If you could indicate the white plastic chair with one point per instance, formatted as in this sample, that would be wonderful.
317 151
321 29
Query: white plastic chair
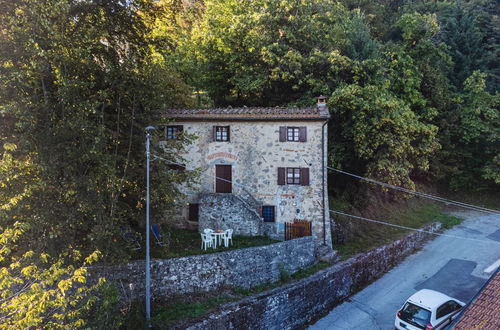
206 241
210 232
228 237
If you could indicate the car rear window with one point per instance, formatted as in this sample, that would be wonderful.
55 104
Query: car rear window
415 315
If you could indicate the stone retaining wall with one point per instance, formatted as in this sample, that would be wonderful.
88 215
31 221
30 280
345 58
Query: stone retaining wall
209 272
296 304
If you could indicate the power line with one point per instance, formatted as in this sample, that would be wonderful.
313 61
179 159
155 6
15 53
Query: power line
337 212
410 228
423 195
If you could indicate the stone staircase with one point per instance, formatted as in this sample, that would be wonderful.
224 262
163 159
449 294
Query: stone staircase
224 211
248 198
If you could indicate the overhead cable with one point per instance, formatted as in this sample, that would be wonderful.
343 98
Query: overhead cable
409 228
336 212
423 195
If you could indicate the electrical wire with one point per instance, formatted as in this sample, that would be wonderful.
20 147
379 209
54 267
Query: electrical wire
409 228
337 212
423 195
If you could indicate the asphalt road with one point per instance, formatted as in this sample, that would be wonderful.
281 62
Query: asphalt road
453 266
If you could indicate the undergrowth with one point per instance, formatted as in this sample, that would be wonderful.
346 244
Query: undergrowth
361 236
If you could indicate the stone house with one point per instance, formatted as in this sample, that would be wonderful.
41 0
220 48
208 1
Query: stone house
260 168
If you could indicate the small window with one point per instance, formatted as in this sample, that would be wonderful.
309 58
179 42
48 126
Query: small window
194 211
221 133
292 134
292 175
268 213
174 132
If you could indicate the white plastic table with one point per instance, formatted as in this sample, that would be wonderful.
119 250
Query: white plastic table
218 237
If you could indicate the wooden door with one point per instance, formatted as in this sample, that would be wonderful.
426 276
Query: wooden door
223 179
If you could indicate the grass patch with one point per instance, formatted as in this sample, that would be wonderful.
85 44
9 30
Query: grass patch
168 314
245 292
188 242
364 236
305 272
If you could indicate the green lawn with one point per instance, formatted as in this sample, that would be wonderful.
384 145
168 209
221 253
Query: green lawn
187 242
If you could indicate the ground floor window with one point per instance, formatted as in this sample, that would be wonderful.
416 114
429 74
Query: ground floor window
268 213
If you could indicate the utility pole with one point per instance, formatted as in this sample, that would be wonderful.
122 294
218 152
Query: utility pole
149 129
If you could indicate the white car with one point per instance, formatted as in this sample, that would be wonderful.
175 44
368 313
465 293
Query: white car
428 310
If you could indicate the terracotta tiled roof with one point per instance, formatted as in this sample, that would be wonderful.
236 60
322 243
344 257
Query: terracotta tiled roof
250 113
484 312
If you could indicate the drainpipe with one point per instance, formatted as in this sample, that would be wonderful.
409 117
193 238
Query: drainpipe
323 178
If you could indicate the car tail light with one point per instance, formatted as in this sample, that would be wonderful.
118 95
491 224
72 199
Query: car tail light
428 327
398 314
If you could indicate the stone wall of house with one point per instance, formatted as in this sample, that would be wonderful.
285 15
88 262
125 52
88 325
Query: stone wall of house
296 304
255 153
209 272
229 211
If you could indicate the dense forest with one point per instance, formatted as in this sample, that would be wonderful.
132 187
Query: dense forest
412 86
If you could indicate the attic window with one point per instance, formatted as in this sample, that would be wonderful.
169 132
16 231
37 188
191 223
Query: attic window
174 132
221 133
292 134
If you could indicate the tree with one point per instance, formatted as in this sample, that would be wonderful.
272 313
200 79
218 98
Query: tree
464 42
37 289
80 82
269 52
486 14
360 43
474 162
381 125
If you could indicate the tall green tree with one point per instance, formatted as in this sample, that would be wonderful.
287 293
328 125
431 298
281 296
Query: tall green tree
464 42
381 124
418 33
487 21
270 52
78 84
474 160
79 81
